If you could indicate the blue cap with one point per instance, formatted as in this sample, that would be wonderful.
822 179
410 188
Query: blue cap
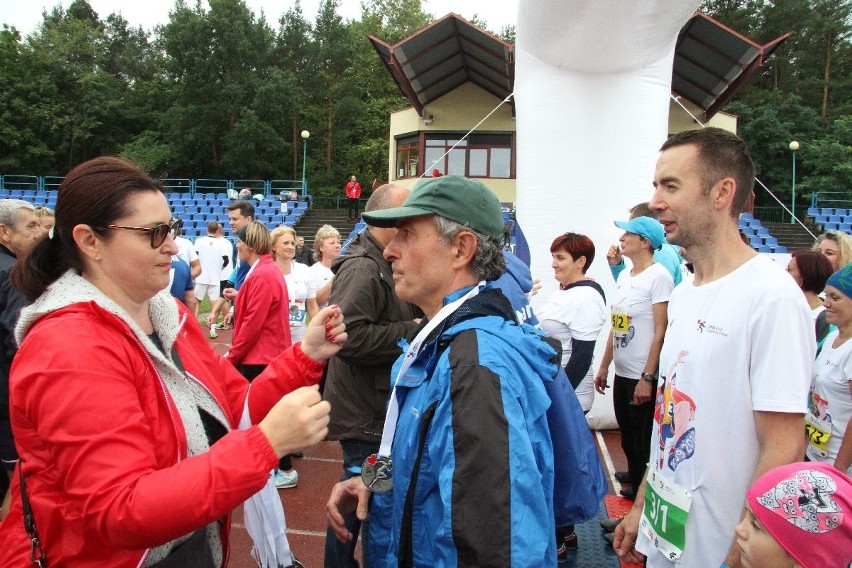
842 280
647 228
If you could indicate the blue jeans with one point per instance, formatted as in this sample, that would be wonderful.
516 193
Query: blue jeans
342 554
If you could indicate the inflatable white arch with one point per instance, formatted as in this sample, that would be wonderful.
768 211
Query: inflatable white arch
592 87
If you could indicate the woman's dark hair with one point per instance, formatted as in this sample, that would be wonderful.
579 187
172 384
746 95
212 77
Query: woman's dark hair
95 193
576 245
814 269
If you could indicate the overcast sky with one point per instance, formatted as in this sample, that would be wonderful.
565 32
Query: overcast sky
25 15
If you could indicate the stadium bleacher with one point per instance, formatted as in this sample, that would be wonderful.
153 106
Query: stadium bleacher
196 210
758 236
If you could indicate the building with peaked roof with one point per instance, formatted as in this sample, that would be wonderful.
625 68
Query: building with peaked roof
459 78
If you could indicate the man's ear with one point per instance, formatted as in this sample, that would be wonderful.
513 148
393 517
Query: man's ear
723 193
465 247
4 234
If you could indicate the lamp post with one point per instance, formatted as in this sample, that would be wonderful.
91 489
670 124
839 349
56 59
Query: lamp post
305 136
793 147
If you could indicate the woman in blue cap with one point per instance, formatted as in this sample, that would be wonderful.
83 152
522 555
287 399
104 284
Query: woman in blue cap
830 400
639 313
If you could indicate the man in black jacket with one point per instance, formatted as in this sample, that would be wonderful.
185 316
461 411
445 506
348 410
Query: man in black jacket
358 377
19 231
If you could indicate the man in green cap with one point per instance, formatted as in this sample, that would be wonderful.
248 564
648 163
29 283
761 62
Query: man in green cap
464 473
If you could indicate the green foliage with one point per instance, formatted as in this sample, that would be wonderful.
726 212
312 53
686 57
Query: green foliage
803 93
218 92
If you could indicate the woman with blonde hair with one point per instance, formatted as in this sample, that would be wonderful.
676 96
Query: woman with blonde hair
837 248
46 218
326 249
303 301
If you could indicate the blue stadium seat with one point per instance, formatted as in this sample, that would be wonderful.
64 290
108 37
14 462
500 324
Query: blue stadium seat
780 249
771 241
755 242
746 216
763 248
830 227
821 219
762 232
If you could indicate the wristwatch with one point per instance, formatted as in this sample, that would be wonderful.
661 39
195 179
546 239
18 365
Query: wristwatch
650 377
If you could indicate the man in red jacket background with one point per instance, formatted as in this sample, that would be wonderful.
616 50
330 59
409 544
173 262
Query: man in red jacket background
353 192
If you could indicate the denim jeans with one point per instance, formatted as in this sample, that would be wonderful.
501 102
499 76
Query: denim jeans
341 554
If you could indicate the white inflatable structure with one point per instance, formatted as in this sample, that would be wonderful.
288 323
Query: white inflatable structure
592 88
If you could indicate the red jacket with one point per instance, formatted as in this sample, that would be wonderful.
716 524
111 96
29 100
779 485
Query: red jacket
262 322
104 449
353 190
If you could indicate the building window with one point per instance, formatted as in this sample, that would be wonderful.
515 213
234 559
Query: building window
480 155
407 157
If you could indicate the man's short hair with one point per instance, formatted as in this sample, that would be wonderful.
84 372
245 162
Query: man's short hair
212 227
246 207
380 199
642 210
9 211
488 262
721 154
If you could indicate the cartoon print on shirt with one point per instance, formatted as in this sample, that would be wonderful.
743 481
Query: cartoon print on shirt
819 407
623 340
674 412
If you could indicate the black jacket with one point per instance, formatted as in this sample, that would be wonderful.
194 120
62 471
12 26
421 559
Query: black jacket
11 302
358 377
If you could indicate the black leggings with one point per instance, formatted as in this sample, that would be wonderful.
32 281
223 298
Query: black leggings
636 423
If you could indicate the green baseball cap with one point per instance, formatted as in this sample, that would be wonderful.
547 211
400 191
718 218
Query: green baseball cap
457 198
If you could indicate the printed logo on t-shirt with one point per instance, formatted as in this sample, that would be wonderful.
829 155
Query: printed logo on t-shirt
710 328
805 501
674 412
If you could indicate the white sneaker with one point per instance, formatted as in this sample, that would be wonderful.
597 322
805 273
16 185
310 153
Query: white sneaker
213 334
286 479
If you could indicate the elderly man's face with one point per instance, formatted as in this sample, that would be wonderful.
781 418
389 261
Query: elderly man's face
422 265
21 236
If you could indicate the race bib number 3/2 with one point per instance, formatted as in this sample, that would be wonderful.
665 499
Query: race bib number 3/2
620 320
664 515
817 433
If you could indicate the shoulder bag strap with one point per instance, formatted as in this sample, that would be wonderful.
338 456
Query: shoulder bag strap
37 554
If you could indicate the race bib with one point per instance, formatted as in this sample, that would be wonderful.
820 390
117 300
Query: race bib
664 515
620 320
297 314
818 433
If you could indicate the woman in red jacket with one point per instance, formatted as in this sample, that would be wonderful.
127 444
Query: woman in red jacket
261 320
124 417
262 308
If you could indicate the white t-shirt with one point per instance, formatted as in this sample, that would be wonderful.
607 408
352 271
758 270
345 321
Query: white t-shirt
186 250
733 346
577 313
298 292
635 296
320 275
829 404
209 251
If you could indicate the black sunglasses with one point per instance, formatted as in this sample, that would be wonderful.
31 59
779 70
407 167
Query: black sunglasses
158 232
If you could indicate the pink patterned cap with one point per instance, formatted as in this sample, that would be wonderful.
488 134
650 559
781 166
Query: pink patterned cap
807 508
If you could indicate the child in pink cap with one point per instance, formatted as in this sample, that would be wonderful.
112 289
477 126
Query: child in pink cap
798 515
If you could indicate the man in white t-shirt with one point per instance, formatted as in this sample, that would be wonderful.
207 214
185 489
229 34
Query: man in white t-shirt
186 252
211 255
734 369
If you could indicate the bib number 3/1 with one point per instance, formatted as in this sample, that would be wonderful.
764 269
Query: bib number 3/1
664 515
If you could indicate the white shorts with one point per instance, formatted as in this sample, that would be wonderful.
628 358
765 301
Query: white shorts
211 290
